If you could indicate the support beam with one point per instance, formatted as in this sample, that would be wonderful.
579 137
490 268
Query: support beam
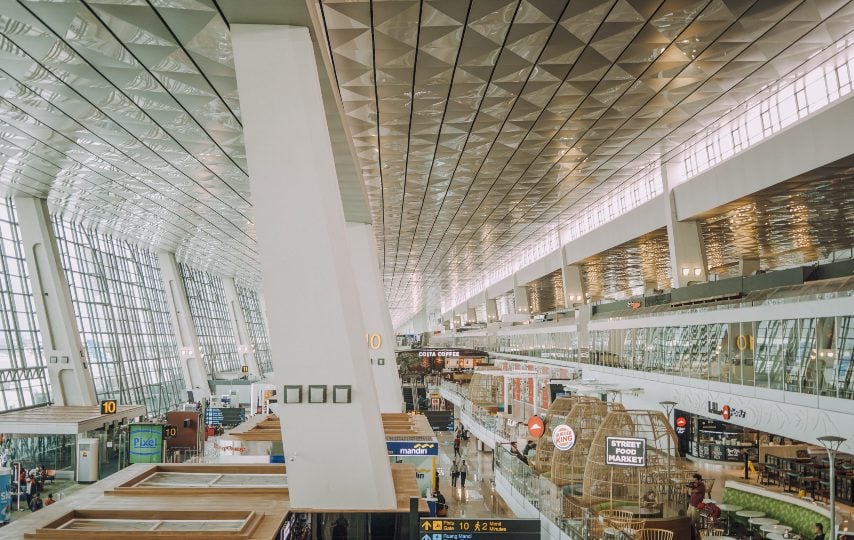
491 310
573 285
471 315
189 351
245 347
68 372
687 253
520 297
379 331
316 328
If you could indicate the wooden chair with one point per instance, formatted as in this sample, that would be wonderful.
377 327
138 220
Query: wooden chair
628 527
613 513
654 534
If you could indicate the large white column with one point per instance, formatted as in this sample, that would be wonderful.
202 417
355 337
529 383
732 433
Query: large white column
491 310
687 253
68 373
336 453
189 351
378 328
245 347
520 295
573 285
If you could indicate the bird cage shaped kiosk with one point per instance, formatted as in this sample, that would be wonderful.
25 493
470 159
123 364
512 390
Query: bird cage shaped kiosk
632 460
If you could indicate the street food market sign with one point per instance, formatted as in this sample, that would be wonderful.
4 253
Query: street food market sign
625 452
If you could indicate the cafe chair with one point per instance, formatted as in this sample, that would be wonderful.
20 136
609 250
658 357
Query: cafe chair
612 513
654 534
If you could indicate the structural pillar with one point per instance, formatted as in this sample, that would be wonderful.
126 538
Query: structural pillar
67 369
379 332
189 350
245 347
316 327
573 285
471 315
520 296
491 310
687 253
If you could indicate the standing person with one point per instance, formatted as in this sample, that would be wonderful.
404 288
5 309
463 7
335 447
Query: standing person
464 470
698 493
818 531
455 473
457 442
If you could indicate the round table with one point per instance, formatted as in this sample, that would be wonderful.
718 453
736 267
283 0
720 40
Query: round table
709 501
775 528
641 511
775 536
750 514
730 507
760 521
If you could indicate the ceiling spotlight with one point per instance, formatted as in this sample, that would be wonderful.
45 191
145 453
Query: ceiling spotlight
686 271
698 271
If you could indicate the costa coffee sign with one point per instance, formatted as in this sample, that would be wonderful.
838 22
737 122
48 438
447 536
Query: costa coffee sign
439 354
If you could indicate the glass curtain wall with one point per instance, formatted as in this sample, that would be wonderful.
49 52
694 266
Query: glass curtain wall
206 296
123 317
22 368
256 324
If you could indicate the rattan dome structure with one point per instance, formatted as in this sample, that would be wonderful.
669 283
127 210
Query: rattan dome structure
567 468
486 390
624 485
556 415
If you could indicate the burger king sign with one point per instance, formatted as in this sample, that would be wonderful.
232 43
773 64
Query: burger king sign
563 437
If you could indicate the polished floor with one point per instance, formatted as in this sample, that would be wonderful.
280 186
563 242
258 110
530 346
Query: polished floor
478 499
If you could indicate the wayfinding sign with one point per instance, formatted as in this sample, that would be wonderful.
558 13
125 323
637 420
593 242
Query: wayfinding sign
474 529
625 452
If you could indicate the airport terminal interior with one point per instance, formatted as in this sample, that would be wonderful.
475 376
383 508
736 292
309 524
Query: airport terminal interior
427 269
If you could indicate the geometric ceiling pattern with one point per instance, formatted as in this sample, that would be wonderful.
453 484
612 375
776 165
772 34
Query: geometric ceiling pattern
124 115
624 271
478 124
795 222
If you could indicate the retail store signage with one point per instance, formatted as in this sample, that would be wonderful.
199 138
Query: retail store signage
681 422
536 427
438 354
625 452
409 448
726 412
465 529
563 437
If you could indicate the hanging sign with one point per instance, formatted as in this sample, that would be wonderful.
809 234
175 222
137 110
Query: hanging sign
625 452
536 427
563 437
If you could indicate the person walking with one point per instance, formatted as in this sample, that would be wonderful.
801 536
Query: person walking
457 442
455 473
464 470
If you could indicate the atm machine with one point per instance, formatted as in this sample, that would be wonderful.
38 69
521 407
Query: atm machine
87 460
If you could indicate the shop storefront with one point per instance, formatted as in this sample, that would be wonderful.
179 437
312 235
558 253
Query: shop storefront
712 439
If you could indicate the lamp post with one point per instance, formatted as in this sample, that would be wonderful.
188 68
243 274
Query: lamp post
668 409
831 443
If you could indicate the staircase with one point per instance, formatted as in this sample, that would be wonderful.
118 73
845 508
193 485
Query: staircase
440 420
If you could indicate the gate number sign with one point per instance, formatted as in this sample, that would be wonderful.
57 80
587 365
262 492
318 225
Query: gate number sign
625 452
109 406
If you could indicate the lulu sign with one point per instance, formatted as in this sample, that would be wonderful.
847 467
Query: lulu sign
625 452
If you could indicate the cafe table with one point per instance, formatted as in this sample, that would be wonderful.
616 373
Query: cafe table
780 529
750 514
759 522
775 536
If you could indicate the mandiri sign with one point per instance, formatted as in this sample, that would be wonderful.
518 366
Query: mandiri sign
625 452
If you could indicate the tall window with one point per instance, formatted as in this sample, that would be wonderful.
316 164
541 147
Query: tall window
257 326
120 304
22 369
210 317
